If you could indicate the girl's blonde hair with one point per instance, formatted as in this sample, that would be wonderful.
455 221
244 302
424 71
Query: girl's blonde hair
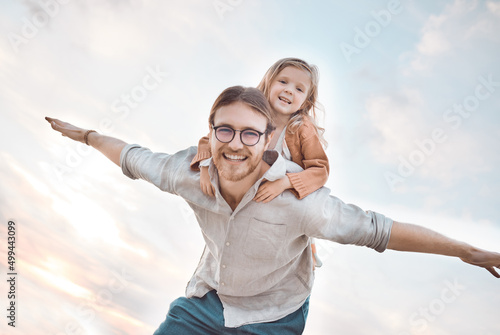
311 103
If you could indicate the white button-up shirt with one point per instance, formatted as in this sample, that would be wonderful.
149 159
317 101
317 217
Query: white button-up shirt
258 257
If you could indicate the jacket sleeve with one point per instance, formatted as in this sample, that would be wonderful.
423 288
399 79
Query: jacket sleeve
306 150
203 153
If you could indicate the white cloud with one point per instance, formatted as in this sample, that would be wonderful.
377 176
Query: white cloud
397 119
434 41
403 131
493 7
456 30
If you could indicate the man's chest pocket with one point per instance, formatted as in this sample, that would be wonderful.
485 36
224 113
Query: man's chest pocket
264 240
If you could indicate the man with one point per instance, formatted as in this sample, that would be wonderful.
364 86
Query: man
255 275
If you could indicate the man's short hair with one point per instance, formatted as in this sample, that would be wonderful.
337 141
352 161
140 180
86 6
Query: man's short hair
251 97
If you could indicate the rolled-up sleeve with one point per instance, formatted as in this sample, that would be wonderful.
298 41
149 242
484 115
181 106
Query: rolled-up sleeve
347 224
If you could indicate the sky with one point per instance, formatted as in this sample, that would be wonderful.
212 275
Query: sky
411 94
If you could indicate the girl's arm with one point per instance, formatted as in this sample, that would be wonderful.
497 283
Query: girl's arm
203 153
307 151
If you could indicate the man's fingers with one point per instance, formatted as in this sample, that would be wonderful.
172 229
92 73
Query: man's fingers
493 272
52 120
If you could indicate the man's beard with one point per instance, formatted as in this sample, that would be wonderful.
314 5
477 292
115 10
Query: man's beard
235 173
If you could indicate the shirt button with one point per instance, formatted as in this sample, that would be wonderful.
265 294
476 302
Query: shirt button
223 266
228 244
223 283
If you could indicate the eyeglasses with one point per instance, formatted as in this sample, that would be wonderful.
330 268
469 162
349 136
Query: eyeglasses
248 137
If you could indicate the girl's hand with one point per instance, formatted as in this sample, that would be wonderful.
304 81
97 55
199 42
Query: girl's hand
205 184
271 189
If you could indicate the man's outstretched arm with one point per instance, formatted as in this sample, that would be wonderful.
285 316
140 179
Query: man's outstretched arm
409 237
111 147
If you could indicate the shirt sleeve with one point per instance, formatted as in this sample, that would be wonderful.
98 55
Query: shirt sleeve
346 223
314 161
160 169
203 153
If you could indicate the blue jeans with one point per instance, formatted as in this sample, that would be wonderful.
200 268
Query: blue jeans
203 316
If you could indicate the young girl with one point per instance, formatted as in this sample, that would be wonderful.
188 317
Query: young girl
291 87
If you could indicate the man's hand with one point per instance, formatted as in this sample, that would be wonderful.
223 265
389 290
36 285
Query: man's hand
205 184
109 146
485 259
67 129
409 237
271 189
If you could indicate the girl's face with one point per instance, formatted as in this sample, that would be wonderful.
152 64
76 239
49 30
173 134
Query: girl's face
289 90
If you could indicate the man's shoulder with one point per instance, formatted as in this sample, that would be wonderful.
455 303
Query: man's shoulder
312 201
188 152
184 158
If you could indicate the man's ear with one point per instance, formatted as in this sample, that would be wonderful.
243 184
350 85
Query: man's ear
210 133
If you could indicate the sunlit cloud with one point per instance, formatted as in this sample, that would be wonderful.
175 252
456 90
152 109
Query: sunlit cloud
51 276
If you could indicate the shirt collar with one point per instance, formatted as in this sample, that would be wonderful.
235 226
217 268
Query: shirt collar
277 163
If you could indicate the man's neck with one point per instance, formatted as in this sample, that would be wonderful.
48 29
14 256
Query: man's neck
234 191
281 120
274 140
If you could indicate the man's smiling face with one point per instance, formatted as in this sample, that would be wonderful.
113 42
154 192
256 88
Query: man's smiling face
235 160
